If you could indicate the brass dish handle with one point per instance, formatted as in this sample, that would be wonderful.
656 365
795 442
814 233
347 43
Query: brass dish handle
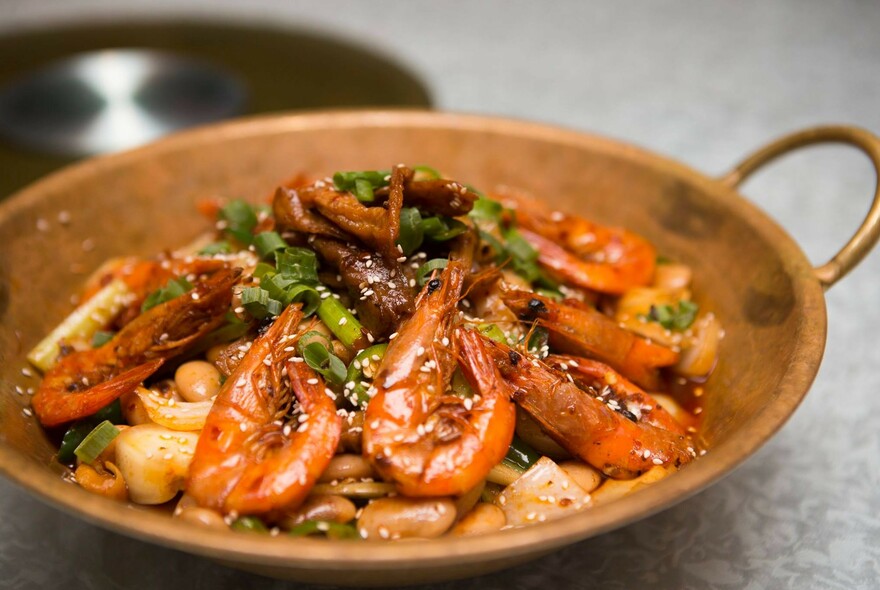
868 233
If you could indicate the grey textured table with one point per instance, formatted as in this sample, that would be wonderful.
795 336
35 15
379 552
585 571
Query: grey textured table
702 82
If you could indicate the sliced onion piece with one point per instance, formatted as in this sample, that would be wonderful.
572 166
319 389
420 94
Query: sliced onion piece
544 492
184 416
698 357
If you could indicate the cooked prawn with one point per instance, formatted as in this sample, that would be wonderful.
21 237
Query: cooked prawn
247 459
579 329
142 277
595 431
83 382
427 442
579 251
602 381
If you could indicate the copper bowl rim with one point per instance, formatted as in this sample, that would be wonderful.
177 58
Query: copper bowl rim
309 554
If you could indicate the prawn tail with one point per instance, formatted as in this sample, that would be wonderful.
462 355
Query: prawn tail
54 406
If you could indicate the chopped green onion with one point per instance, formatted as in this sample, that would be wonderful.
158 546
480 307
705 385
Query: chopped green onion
363 191
486 209
411 232
459 384
308 296
327 364
111 412
341 322
503 474
523 257
262 269
495 244
258 303
276 286
173 288
361 183
424 272
356 371
493 332
232 329
222 247
441 229
83 322
249 524
663 260
298 264
427 172
538 339
490 492
240 220
72 439
310 337
520 455
333 530
96 441
102 337
674 318
75 433
268 242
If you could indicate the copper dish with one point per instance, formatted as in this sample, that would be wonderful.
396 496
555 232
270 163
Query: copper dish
747 269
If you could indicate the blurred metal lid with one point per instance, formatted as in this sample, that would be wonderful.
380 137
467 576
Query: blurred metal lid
83 89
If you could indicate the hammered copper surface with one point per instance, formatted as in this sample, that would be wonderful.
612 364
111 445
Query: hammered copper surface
747 270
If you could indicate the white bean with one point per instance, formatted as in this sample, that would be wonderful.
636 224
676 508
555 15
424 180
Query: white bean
617 488
328 508
585 476
347 466
484 518
401 518
672 276
202 516
465 502
133 409
197 381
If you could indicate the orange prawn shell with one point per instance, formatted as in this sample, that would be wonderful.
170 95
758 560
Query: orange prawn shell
245 461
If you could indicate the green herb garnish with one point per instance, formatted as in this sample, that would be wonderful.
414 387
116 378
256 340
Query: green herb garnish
268 242
174 288
241 219
493 332
486 209
356 371
102 337
411 232
258 303
678 317
222 247
298 264
362 183
324 362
